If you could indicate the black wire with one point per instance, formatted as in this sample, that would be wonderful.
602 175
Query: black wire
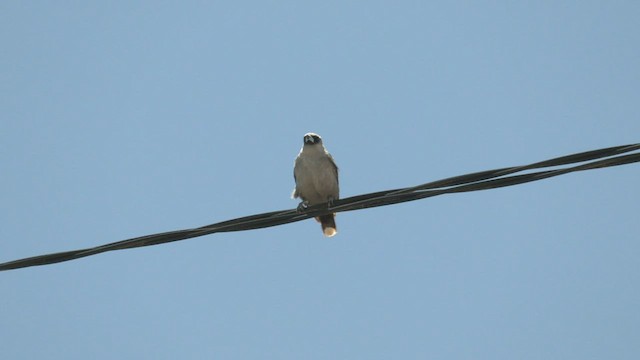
483 180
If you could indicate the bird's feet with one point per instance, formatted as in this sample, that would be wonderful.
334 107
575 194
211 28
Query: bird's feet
302 206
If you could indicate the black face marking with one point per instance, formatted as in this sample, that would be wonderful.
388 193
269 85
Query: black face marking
310 139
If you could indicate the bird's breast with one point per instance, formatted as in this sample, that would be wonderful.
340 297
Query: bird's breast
316 179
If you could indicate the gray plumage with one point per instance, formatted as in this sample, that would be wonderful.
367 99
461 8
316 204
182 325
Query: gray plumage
316 176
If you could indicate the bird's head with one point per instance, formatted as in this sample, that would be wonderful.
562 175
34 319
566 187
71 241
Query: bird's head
312 139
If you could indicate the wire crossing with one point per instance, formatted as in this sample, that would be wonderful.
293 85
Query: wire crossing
484 180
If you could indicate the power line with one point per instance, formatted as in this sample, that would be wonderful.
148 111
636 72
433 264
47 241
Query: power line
483 180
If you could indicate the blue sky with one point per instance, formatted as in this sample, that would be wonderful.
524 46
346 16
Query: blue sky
123 119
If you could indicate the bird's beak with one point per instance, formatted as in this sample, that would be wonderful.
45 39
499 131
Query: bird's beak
308 140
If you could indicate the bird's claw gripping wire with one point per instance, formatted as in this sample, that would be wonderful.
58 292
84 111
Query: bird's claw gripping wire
302 207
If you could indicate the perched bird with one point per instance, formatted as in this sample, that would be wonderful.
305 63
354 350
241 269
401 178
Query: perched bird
316 176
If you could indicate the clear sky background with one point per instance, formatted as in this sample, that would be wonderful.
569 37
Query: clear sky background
120 119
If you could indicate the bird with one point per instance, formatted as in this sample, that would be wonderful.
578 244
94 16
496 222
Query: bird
316 177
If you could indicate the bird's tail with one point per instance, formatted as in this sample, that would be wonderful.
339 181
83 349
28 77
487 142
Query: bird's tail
328 223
